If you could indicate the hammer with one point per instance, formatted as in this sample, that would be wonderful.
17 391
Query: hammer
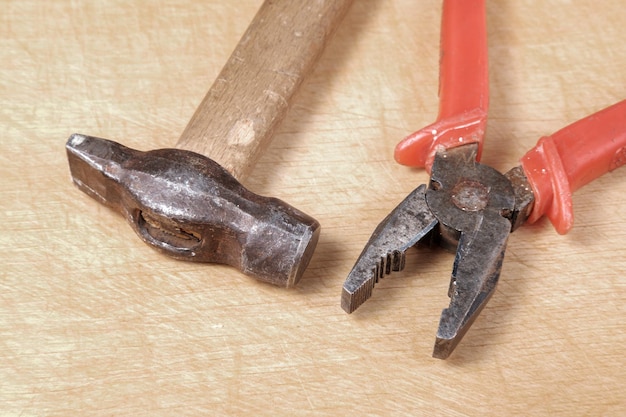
188 202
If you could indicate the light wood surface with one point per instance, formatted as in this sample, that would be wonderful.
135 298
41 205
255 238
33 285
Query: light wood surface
94 322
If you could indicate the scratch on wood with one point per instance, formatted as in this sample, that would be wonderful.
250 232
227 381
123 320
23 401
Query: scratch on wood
276 97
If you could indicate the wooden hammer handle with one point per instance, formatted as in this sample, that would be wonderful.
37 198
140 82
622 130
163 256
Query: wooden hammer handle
251 96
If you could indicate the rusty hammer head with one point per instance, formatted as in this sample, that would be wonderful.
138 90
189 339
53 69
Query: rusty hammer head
189 207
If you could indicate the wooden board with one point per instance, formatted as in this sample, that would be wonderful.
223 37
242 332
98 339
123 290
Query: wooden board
94 322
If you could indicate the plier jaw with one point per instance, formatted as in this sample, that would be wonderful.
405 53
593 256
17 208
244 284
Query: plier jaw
408 224
473 204
466 208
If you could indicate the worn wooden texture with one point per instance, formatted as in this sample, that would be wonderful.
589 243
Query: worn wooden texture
236 121
93 322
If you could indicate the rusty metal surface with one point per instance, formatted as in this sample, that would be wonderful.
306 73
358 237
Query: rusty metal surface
468 209
188 207
477 224
409 223
524 197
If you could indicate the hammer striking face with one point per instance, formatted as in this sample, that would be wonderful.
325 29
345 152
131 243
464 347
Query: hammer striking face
189 207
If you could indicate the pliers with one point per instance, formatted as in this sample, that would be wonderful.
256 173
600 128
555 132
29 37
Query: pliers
470 208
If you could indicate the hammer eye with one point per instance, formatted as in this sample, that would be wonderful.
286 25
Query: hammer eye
166 234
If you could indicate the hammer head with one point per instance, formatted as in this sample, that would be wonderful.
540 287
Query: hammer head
189 207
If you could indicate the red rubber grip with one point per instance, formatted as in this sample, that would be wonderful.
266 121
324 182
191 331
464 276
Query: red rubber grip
572 157
463 86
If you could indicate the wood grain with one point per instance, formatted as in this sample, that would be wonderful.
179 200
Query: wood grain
236 121
93 322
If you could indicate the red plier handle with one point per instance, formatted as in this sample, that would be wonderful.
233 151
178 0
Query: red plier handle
557 166
463 87
572 157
